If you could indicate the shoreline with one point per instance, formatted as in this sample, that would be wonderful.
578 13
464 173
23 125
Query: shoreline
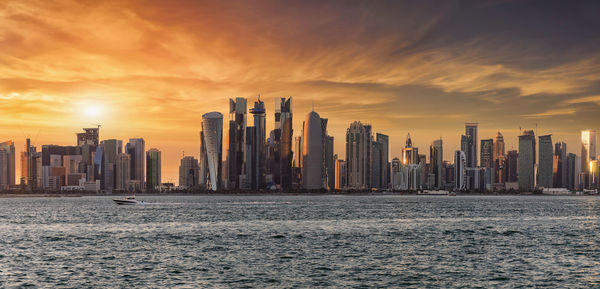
117 195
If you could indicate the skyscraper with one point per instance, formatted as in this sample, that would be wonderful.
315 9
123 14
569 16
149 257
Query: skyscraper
212 134
560 165
313 146
376 165
409 155
460 171
526 160
487 153
123 171
188 172
283 133
571 171
358 143
546 155
258 144
436 157
340 174
136 148
471 152
112 148
329 162
236 141
498 146
384 142
7 164
27 165
588 149
511 168
153 168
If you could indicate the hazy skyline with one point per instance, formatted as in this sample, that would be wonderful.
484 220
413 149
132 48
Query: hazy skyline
151 68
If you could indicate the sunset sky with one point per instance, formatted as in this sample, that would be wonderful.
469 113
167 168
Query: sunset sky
151 68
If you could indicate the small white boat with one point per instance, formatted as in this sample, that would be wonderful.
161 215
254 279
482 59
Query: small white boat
128 201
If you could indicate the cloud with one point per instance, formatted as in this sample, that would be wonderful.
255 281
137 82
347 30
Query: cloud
157 66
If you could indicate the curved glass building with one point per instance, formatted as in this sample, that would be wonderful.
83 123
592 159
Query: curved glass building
212 134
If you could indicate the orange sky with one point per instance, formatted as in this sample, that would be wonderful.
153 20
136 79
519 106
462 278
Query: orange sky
151 69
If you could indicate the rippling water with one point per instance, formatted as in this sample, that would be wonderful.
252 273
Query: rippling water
301 241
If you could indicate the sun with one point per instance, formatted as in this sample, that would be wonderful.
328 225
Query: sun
92 111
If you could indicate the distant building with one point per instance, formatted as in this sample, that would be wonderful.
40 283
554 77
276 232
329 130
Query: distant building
329 162
283 134
471 149
340 174
436 157
410 155
27 165
7 165
487 153
460 171
123 171
212 135
358 156
545 167
313 151
526 161
153 169
510 167
112 148
236 144
90 136
384 142
588 149
571 175
189 172
257 147
136 149
560 165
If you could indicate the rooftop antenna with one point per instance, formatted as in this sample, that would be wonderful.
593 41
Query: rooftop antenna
536 133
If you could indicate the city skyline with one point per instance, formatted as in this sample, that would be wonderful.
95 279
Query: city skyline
400 67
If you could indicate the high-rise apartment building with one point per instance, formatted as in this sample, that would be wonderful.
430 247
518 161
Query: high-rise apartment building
282 142
358 148
546 159
136 148
153 168
560 165
460 171
236 143
526 160
384 142
313 151
588 149
436 158
471 152
188 172
487 153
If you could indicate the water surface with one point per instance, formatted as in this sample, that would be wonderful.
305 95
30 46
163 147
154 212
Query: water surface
301 241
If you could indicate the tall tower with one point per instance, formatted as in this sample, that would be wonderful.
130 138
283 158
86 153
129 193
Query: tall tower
436 157
384 142
460 171
588 149
358 142
237 141
136 148
283 133
212 144
471 132
153 169
526 160
313 145
487 152
258 145
545 168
